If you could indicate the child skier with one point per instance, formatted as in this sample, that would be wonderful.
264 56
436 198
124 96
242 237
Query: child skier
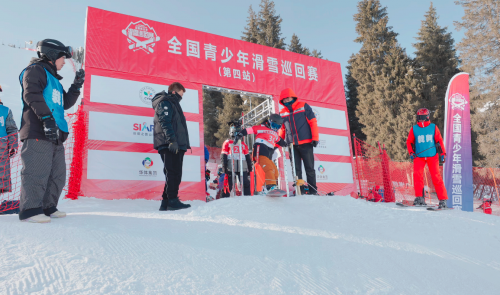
228 154
427 140
266 140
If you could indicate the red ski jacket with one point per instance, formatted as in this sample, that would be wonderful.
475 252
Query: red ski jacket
410 142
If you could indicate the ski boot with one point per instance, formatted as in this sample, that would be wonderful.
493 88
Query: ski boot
419 201
270 187
442 204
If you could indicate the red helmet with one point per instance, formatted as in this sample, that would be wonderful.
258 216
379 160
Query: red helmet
423 115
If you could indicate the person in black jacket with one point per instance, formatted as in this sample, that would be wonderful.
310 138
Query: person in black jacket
43 131
171 139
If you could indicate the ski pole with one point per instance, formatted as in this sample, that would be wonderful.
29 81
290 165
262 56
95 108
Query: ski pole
284 168
294 173
434 146
241 168
232 170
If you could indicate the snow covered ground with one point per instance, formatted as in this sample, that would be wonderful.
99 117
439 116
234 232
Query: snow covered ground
251 245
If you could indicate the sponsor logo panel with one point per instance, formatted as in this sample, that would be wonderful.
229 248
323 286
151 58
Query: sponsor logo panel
328 172
111 165
333 145
134 93
128 128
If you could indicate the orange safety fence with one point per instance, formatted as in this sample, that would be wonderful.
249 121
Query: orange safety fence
375 172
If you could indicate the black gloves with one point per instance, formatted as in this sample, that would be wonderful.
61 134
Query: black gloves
173 147
12 152
315 143
207 175
282 143
50 128
79 78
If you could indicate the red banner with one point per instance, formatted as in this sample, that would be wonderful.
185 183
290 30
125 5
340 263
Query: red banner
129 59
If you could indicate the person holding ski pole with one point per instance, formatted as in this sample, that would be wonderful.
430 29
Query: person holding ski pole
300 128
424 143
233 154
266 139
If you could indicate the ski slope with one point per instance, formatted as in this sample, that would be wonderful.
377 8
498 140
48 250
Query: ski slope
251 245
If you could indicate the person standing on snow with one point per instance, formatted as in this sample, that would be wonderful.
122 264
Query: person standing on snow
423 143
8 145
300 127
266 140
44 130
228 155
171 140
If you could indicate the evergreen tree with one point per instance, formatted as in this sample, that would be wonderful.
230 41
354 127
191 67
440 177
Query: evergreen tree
296 46
252 31
480 55
231 111
437 61
382 81
352 100
269 24
316 53
212 103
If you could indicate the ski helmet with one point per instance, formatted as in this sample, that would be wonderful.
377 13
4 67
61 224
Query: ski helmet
234 127
423 115
53 49
275 121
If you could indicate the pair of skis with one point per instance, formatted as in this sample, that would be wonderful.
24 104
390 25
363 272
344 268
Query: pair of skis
279 192
406 203
233 172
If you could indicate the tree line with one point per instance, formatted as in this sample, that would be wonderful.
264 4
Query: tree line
264 28
384 86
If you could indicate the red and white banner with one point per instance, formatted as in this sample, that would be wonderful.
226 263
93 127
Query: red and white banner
129 59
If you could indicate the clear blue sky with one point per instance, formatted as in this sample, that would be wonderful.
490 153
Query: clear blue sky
324 25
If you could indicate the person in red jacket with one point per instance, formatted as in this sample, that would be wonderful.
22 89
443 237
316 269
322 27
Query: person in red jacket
423 143
300 127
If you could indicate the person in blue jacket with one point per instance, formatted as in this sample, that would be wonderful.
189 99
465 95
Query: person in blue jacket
44 130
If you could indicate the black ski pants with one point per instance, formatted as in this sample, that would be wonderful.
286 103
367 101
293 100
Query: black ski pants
172 168
305 153
246 184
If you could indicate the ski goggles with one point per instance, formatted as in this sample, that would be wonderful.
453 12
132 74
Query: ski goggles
274 126
67 50
422 117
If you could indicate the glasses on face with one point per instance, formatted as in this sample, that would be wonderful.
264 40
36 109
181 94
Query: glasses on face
275 126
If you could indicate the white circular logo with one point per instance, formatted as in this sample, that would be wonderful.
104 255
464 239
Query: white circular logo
146 94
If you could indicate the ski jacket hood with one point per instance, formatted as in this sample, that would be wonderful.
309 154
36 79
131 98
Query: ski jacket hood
287 93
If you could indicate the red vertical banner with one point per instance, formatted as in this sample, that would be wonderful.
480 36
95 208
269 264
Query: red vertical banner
457 139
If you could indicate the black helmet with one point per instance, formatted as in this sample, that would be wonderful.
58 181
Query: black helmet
274 122
53 49
234 127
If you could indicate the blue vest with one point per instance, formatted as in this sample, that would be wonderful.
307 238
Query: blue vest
424 139
53 95
4 112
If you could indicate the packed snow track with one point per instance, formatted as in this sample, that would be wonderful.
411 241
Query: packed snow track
251 245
